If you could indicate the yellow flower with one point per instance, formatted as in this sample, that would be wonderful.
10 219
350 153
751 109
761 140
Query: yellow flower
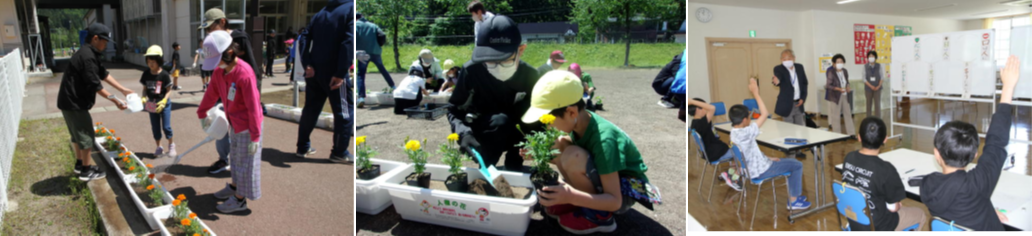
181 197
185 222
360 140
412 145
547 119
453 137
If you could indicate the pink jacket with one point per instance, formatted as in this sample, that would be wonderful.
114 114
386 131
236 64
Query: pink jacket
244 111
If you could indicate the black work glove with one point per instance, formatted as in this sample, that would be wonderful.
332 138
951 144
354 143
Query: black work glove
467 142
497 122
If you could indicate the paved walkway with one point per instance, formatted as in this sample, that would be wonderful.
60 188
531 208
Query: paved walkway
310 196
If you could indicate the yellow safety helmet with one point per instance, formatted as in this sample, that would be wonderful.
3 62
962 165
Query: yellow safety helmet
153 50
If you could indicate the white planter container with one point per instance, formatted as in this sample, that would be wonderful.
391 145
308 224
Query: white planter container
369 197
159 216
325 121
492 215
103 151
148 213
280 111
383 99
116 163
438 98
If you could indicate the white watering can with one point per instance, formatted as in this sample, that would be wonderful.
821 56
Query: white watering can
134 103
219 128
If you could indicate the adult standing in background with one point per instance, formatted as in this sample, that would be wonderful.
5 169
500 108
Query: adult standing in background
790 77
476 9
836 92
326 60
270 52
367 42
873 83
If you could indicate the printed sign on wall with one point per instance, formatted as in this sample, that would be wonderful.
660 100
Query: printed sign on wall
863 41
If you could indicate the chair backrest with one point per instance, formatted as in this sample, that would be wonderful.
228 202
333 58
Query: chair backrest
739 157
751 104
940 224
851 203
720 109
698 141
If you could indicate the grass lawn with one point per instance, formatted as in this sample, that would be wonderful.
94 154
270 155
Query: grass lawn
50 198
587 55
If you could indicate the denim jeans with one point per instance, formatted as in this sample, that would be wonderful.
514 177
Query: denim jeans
222 146
317 91
795 179
362 69
161 121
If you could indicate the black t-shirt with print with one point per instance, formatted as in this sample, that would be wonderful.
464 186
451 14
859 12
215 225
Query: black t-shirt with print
880 181
155 86
714 147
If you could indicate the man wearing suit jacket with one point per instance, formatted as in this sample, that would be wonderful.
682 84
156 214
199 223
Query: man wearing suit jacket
790 77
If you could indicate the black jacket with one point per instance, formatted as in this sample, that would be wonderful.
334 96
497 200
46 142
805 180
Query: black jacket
661 84
478 92
964 196
81 82
786 98
329 49
240 37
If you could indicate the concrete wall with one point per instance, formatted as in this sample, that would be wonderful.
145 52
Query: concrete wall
813 32
9 21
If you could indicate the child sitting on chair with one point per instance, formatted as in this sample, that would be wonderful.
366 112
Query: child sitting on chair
743 134
961 195
880 181
716 150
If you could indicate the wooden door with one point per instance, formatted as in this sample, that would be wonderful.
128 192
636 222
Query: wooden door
767 55
733 61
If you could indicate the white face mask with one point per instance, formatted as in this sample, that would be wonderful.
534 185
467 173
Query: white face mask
502 73
788 64
477 18
870 60
839 66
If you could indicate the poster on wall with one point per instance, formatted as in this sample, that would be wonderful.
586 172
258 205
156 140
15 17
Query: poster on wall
825 63
945 64
863 41
904 30
883 43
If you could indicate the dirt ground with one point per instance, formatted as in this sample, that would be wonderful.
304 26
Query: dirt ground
630 103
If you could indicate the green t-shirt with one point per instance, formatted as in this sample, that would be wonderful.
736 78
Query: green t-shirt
611 149
586 78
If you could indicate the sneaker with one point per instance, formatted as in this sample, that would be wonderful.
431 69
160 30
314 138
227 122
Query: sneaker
232 205
177 87
339 159
78 169
91 173
558 210
157 152
666 104
361 102
310 152
799 204
218 166
730 183
225 193
586 221
172 149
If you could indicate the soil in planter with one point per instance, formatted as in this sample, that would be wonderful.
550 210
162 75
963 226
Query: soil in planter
144 196
173 227
368 174
478 188
421 180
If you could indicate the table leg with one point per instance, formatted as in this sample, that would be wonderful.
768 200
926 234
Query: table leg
819 203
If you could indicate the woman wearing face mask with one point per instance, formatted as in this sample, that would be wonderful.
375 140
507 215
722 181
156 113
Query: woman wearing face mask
873 83
233 82
432 71
836 93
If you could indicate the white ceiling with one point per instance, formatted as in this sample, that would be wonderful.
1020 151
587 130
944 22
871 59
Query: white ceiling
963 10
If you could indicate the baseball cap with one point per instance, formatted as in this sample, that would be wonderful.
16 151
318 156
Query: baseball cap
426 55
575 68
556 89
416 70
448 64
214 45
211 16
498 37
557 56
100 30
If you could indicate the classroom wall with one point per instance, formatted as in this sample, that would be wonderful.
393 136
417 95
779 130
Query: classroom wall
813 32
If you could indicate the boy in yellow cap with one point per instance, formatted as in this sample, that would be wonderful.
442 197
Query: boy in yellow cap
602 168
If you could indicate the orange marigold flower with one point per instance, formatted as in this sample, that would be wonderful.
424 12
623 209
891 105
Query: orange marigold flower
118 138
181 197
112 131
150 187
151 176
185 222
150 166
193 215
175 202
197 234
204 230
131 168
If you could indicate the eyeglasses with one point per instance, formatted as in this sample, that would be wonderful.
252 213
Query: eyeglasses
505 63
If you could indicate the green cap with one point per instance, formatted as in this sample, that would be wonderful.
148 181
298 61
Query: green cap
211 16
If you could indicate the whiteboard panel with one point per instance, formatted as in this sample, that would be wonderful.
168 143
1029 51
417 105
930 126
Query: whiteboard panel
955 63
983 78
1021 45
896 74
930 48
917 76
948 77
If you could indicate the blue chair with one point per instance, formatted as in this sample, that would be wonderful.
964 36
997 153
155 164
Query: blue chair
752 105
715 164
720 110
739 157
852 204
940 224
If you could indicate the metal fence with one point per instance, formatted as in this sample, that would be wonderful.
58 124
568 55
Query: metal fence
12 90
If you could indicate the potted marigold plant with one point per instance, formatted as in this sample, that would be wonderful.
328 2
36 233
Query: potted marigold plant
598 103
540 148
418 156
367 170
100 131
112 144
450 155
